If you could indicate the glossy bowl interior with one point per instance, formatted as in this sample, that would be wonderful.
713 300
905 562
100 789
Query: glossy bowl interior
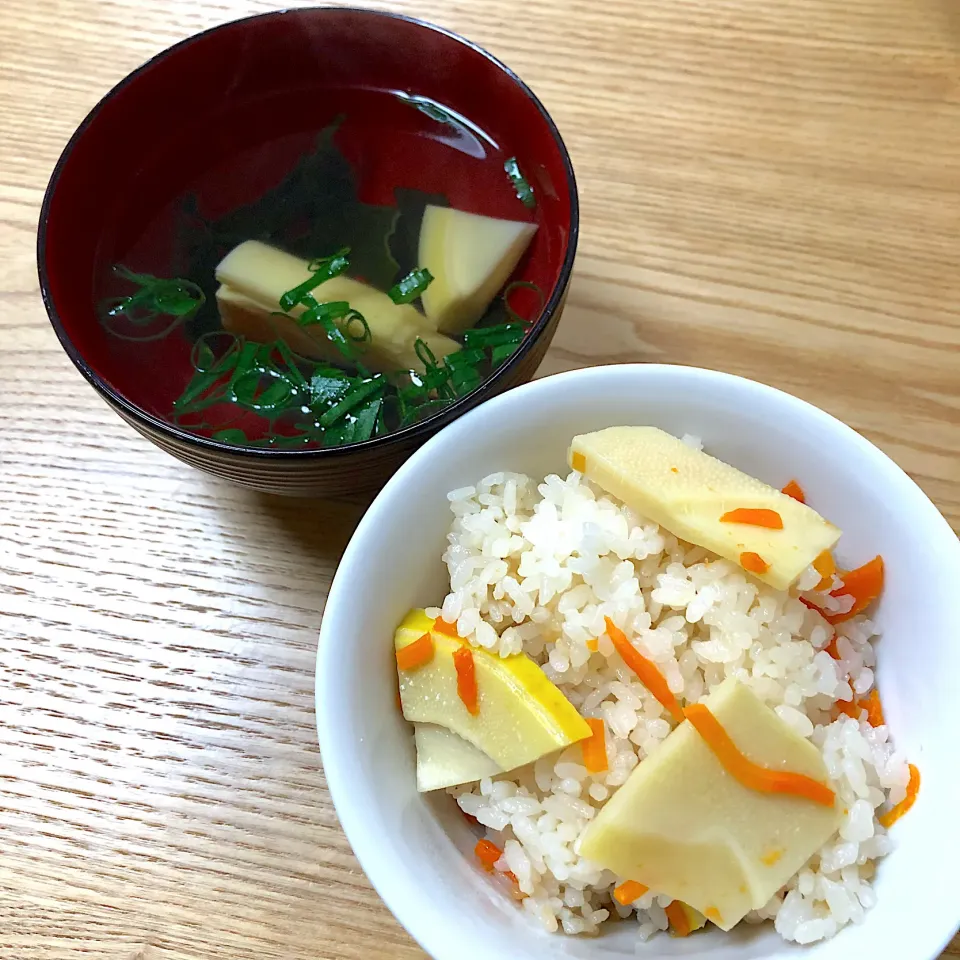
417 850
282 77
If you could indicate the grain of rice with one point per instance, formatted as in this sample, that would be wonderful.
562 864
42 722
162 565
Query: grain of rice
536 568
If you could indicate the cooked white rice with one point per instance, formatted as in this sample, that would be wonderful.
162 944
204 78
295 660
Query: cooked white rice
536 568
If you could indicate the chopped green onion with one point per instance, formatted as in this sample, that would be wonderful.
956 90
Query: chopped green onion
175 298
520 183
426 356
464 367
366 420
356 396
286 354
321 271
494 336
320 312
326 390
500 353
411 286
325 317
355 316
422 412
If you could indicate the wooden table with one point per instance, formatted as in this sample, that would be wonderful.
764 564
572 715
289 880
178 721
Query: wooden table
768 189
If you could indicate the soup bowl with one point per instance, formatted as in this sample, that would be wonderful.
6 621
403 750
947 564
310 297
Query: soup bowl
417 849
185 115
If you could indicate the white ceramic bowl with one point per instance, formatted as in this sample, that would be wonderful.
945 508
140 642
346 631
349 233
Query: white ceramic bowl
417 850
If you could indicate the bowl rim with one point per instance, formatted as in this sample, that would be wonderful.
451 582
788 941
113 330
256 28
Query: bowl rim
417 431
333 740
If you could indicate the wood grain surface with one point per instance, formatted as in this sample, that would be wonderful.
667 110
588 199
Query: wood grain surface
771 189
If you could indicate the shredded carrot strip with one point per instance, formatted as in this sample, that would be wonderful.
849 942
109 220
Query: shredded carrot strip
831 648
826 567
578 461
754 517
751 774
450 629
863 584
415 654
874 709
889 818
593 645
466 679
488 854
678 919
645 669
850 707
595 747
510 875
793 489
853 708
753 563
629 891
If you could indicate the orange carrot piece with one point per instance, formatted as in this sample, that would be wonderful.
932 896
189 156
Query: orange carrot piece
415 654
595 747
578 461
751 774
863 584
488 854
466 679
826 567
753 562
510 875
593 645
450 629
629 891
758 517
831 648
874 709
851 708
889 818
793 489
678 919
650 676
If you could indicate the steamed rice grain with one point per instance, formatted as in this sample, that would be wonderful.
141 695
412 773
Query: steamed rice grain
535 568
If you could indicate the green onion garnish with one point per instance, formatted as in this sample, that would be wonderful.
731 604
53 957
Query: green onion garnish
326 390
157 297
520 183
494 336
411 286
500 353
320 312
321 271
356 396
175 298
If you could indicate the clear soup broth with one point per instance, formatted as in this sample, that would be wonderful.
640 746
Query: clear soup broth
328 281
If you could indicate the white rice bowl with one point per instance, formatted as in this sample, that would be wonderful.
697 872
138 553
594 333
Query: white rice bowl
417 850
535 568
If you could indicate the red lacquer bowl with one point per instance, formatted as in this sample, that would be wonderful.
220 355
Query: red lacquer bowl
187 111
